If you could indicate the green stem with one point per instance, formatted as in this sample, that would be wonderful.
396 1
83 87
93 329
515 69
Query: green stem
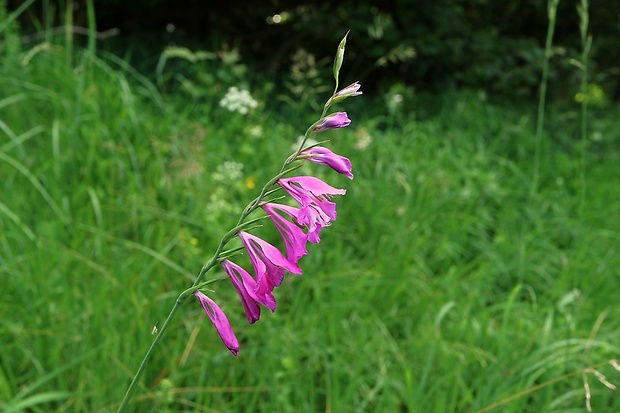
92 27
586 41
198 283
147 356
180 300
69 31
540 120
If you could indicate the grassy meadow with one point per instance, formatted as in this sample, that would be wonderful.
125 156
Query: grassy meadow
458 277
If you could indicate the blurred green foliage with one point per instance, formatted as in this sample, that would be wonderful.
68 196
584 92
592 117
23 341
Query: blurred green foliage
445 285
481 44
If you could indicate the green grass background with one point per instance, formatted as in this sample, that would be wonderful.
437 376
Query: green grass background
448 282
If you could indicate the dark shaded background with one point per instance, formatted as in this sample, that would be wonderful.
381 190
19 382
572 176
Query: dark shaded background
496 46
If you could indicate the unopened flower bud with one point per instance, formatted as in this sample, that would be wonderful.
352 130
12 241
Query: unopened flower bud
335 120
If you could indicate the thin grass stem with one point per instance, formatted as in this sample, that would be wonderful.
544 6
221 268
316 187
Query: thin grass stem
552 8
586 41
134 382
92 27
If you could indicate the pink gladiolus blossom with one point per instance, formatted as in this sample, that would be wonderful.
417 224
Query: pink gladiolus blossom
335 120
269 265
352 90
265 298
315 220
245 285
324 156
293 236
313 196
220 321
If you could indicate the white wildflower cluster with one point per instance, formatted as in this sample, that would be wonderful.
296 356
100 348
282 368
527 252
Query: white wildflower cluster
237 100
362 139
228 172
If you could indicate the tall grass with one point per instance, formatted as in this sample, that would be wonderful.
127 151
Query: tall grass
586 43
552 12
443 286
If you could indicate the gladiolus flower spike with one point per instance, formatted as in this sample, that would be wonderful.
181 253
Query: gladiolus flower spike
296 225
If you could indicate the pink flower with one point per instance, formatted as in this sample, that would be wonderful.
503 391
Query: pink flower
245 285
313 196
315 221
219 320
294 238
335 120
269 265
352 90
324 156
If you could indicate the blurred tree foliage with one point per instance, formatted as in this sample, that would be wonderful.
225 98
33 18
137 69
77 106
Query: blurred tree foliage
491 45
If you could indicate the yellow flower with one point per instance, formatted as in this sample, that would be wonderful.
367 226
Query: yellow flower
250 183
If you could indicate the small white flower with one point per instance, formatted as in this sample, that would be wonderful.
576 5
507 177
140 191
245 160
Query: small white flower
362 139
237 100
229 171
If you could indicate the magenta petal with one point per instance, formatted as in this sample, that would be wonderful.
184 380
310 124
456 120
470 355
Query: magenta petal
349 91
308 190
352 90
324 156
313 234
312 185
261 250
220 321
269 264
250 305
260 295
314 219
335 120
292 235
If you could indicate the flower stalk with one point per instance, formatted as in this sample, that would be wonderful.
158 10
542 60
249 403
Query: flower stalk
296 226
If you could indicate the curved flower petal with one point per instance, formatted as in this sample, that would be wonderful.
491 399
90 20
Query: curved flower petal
220 321
264 297
292 235
314 219
335 120
244 284
308 190
352 90
269 265
324 156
